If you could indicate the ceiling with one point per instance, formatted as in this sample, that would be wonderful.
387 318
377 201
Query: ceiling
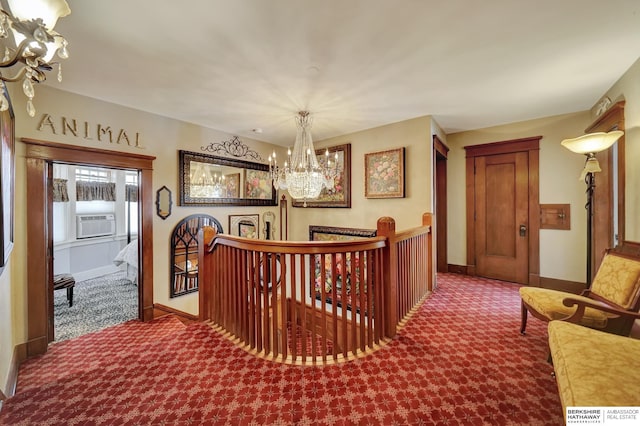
239 65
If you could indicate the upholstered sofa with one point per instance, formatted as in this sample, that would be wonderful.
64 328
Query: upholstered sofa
594 368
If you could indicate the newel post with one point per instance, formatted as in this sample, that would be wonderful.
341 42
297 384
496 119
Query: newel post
205 274
386 227
427 220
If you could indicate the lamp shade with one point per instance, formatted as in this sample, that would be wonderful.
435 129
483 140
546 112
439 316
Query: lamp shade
592 142
48 10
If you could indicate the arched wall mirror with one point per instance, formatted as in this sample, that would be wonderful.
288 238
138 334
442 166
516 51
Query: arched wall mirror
184 253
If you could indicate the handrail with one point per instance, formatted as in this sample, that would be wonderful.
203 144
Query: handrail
313 301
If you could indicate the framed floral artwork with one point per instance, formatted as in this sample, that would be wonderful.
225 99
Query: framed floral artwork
384 174
257 185
340 194
348 269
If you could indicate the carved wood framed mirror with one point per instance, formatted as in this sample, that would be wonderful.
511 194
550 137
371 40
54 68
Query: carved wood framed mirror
208 180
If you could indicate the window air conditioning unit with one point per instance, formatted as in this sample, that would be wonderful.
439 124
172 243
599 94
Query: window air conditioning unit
95 225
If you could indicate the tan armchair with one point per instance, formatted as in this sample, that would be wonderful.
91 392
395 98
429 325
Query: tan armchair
616 287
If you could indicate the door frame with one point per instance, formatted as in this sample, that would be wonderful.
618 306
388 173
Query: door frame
440 151
40 155
530 145
602 230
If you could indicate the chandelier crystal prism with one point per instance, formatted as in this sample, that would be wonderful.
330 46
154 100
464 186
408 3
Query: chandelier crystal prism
30 44
303 175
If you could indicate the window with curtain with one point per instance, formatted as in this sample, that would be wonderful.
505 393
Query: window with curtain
93 184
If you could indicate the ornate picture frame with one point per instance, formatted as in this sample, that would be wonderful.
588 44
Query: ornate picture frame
384 174
340 195
247 225
7 179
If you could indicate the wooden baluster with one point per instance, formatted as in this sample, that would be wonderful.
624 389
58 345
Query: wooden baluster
303 302
288 259
255 272
282 314
334 299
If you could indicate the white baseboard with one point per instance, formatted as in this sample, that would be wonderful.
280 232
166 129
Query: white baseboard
95 273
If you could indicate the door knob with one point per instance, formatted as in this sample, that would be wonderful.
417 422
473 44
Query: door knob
523 230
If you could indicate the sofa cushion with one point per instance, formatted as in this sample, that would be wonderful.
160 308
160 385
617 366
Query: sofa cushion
594 368
549 303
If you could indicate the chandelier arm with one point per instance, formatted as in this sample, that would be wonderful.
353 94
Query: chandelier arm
18 54
19 76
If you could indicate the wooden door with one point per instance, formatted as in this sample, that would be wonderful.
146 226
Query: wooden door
502 223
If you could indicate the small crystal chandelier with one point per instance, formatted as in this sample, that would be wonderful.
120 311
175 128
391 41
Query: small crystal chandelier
302 175
34 45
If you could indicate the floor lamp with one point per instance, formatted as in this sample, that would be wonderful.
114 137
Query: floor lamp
589 145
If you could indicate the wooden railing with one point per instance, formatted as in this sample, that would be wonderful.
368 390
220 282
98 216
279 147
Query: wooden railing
316 301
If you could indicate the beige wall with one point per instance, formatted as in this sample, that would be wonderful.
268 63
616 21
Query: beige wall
627 88
415 136
160 137
562 253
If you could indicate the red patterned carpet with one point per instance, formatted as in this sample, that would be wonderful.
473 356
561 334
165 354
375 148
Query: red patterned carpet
459 361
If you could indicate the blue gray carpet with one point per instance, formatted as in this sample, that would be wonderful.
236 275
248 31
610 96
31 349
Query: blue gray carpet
97 303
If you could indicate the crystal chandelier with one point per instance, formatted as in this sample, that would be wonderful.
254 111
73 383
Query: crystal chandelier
302 175
34 43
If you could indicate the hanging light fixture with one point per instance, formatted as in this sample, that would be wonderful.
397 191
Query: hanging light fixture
302 175
34 43
589 145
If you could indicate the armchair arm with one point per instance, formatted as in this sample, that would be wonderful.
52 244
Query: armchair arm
583 304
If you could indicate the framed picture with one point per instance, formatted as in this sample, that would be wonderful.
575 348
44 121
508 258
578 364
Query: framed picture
7 180
247 226
334 233
257 185
232 185
384 174
344 266
340 194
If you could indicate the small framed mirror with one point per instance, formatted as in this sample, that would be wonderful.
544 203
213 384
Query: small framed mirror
269 220
163 202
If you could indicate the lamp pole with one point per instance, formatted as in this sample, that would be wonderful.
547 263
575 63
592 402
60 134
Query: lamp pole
590 180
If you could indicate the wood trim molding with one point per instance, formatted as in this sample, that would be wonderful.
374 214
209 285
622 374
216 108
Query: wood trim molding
440 146
39 157
612 119
531 145
457 269
19 355
168 310
503 147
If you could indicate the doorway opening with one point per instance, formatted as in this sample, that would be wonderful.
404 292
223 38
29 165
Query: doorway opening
40 157
440 153
95 248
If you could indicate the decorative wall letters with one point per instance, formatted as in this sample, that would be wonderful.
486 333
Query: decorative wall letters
89 131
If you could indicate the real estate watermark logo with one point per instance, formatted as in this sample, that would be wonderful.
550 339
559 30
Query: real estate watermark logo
615 416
